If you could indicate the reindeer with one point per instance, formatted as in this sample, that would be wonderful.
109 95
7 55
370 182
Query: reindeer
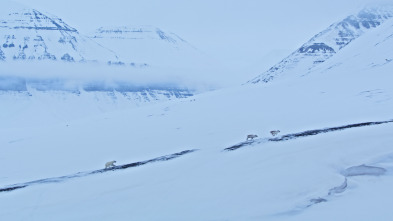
110 164
274 132
251 136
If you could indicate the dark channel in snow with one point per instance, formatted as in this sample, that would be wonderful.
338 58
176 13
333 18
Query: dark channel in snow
363 170
303 134
87 173
339 189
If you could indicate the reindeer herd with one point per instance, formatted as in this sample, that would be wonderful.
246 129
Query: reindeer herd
252 136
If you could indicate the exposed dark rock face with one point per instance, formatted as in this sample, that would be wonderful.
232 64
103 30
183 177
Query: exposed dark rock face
316 48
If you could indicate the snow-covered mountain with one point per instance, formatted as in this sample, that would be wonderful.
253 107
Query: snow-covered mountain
28 34
147 45
327 43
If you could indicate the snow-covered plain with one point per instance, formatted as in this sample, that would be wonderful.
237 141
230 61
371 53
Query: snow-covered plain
300 179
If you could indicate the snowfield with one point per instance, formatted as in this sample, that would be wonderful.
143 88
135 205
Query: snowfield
339 175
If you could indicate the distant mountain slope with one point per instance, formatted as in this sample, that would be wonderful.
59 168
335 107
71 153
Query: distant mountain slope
327 43
148 45
27 34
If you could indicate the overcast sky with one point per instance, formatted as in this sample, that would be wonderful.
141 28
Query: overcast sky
239 31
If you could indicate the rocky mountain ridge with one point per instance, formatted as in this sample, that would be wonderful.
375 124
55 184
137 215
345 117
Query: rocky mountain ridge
27 34
327 43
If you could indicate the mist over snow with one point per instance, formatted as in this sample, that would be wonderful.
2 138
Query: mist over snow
76 75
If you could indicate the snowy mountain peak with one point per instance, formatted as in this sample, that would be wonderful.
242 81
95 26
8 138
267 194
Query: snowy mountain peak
27 34
141 32
327 43
35 20
147 45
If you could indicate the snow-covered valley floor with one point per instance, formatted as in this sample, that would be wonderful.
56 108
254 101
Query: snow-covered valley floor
270 181
248 142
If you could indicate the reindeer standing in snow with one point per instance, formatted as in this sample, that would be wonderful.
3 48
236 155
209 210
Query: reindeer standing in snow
110 164
274 132
251 136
